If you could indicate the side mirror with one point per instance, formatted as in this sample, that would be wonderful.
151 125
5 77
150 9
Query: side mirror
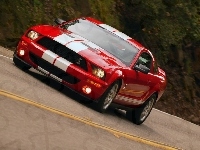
142 68
59 21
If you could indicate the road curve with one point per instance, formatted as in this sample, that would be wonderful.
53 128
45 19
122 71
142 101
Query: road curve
16 116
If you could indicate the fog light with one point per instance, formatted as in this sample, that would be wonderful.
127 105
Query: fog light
21 52
87 90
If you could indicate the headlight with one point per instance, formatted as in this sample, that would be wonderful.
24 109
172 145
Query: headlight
33 35
98 72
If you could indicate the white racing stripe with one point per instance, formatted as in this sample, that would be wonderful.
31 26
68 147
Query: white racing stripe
70 42
85 41
76 46
115 31
122 35
63 39
49 56
62 63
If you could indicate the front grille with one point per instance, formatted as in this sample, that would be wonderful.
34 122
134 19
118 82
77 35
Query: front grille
53 69
63 52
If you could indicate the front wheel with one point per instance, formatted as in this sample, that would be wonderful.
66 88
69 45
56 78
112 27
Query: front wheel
107 98
140 114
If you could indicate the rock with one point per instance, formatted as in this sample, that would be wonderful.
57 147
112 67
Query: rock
191 117
195 120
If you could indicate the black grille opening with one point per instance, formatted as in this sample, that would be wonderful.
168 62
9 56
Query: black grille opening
53 69
63 52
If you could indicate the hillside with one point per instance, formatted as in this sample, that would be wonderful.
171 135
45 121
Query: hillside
169 29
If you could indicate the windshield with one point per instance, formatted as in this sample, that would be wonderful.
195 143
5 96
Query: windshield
111 43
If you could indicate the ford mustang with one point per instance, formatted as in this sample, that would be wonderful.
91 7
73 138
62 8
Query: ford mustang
97 61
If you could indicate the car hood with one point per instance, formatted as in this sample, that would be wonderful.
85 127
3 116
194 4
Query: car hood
82 46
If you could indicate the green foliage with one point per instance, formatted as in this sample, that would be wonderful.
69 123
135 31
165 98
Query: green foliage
105 10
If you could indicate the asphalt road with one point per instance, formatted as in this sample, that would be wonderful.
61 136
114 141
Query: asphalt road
24 126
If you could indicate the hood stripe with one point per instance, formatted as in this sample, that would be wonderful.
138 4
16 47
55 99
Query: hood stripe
70 42
62 63
49 56
63 39
56 60
76 46
86 42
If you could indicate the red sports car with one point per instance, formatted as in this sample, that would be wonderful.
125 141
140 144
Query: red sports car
97 61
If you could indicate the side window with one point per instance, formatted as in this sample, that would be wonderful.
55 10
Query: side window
145 59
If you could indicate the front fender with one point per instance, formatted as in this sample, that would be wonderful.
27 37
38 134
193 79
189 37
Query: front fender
116 75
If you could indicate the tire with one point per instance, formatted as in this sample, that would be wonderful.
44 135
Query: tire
20 64
107 98
140 114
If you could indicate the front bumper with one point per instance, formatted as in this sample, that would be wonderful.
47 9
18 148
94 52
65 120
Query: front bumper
20 60
74 77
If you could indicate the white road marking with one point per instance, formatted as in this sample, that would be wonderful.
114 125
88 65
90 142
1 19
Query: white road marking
167 113
173 116
6 57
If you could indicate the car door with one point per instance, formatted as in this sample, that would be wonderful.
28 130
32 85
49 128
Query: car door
137 83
